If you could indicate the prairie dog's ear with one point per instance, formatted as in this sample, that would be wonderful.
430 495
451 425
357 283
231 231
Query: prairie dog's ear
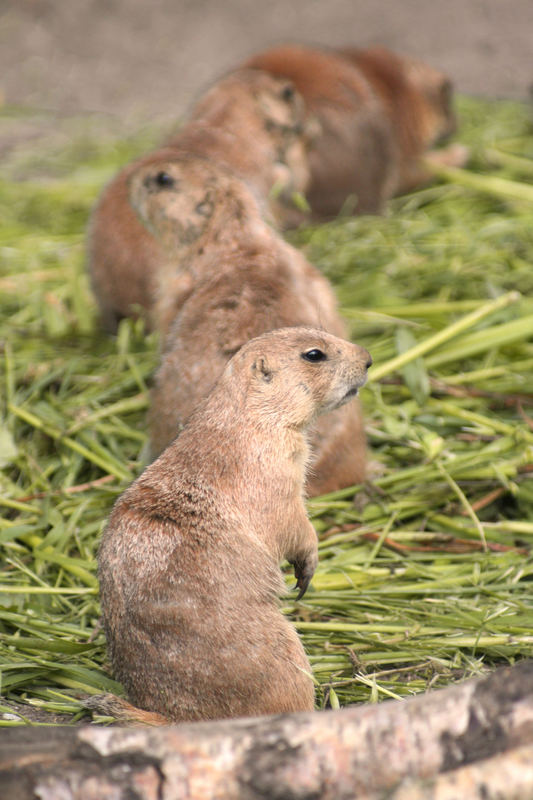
261 369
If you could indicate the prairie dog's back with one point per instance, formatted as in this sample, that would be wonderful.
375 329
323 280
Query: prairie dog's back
417 97
378 112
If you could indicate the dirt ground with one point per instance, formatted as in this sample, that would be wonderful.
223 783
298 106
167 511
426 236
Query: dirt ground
138 59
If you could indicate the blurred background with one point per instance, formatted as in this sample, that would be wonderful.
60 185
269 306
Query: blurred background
150 58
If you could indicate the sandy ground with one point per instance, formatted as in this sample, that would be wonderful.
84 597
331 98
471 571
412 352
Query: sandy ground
149 58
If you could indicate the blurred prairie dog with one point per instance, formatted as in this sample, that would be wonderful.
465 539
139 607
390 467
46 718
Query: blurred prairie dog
267 132
250 122
379 112
189 561
231 277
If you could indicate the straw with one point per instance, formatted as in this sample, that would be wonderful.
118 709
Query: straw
425 571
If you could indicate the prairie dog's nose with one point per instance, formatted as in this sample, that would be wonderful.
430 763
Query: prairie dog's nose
364 356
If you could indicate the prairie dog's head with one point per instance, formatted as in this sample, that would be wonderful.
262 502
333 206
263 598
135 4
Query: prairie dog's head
177 198
294 374
267 100
265 110
291 128
437 91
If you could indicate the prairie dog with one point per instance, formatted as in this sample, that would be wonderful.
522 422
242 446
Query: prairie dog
231 277
206 219
250 122
189 561
378 113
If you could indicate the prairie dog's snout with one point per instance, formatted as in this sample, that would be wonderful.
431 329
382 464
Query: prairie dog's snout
358 374
348 371
362 363
350 364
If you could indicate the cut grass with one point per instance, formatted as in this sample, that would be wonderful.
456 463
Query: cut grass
425 573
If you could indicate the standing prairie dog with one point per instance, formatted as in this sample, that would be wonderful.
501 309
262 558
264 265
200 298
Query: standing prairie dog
189 561
229 278
250 122
378 112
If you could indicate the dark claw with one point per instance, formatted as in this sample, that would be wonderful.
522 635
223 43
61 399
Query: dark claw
303 578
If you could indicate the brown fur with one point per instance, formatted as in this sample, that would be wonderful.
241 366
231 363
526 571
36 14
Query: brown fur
189 562
232 277
378 113
251 123
418 100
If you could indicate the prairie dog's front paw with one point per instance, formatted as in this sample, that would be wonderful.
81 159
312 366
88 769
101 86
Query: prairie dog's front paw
455 155
304 569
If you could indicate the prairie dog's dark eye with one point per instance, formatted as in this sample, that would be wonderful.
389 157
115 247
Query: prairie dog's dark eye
314 355
164 180
287 93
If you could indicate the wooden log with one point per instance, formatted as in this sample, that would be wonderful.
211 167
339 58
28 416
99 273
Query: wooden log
508 776
357 752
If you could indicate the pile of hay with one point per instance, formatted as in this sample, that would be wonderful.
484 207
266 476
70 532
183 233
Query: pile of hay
425 572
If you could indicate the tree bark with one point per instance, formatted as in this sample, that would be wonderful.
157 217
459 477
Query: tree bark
508 776
485 725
